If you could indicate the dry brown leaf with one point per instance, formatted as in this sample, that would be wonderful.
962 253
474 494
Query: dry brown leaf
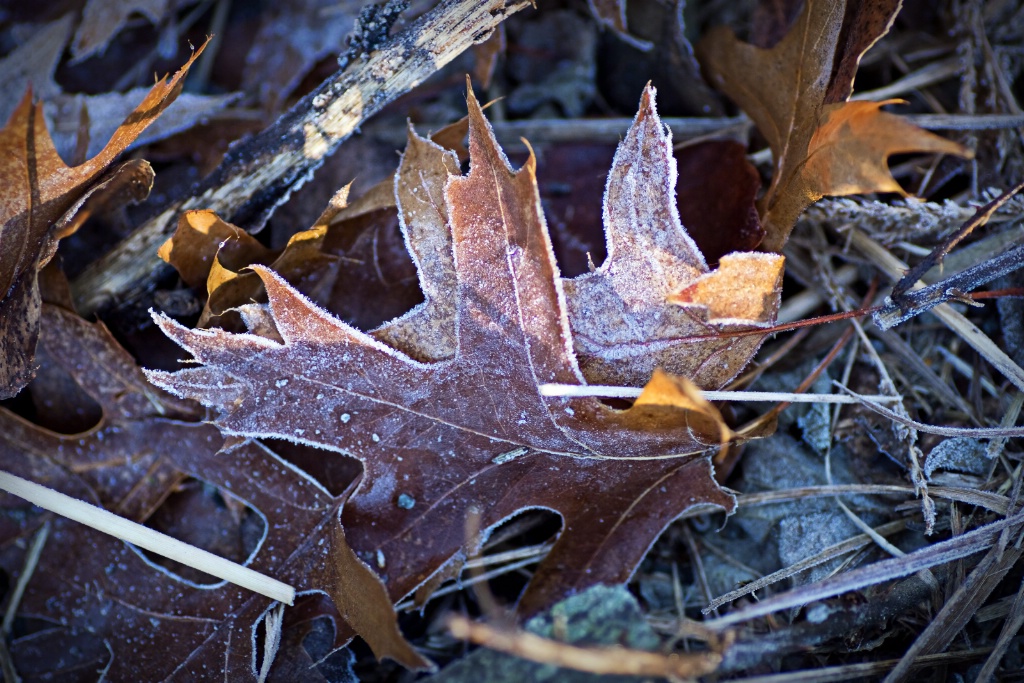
112 457
102 19
210 252
33 63
381 196
654 302
469 433
428 332
110 605
485 56
795 92
612 13
41 196
849 149
103 113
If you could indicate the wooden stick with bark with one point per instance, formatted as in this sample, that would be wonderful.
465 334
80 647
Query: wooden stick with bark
259 174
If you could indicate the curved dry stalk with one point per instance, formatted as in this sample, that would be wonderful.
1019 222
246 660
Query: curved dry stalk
599 660
837 550
970 543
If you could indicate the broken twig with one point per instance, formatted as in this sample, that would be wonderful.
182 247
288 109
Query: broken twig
600 660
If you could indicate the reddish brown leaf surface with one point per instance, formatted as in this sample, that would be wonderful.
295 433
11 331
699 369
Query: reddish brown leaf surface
795 92
105 603
450 421
653 303
716 194
112 457
41 196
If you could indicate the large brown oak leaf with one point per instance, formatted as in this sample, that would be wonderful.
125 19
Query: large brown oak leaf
451 422
100 603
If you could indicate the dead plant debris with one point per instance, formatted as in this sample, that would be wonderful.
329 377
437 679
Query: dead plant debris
446 363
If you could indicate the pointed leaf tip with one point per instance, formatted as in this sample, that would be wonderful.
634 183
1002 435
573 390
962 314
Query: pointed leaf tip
647 99
177 332
295 315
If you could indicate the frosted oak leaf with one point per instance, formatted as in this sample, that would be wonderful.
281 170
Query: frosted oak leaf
452 421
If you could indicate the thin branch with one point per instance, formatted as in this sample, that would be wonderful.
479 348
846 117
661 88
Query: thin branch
31 561
933 259
599 660
611 130
990 501
900 307
849 672
29 568
973 432
1010 628
967 330
965 601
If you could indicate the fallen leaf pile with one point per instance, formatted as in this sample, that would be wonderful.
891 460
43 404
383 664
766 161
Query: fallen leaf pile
442 405
796 92
431 430
653 303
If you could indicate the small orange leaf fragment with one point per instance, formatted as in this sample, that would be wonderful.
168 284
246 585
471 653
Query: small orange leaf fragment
206 250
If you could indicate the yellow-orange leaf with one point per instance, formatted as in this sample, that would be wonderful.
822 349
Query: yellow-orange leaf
208 250
794 92
848 151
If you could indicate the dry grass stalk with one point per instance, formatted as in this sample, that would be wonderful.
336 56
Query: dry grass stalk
598 660
144 537
970 543
837 550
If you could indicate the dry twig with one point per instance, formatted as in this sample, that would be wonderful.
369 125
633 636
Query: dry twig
260 174
599 660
